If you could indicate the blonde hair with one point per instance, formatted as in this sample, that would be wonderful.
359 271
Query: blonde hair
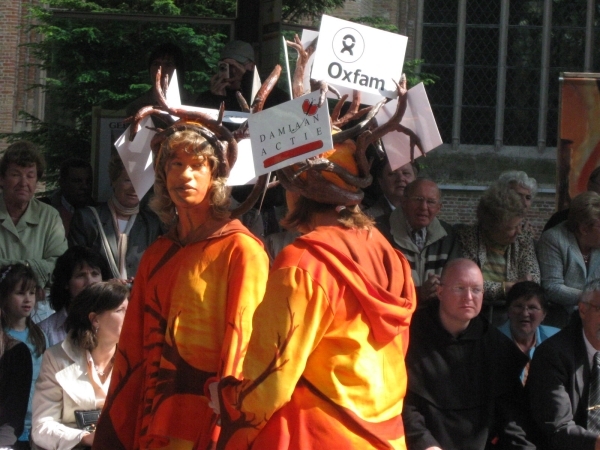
193 143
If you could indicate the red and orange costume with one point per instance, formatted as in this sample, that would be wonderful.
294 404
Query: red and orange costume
189 319
325 364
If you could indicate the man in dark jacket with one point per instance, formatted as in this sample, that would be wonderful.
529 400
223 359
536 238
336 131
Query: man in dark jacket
560 377
464 390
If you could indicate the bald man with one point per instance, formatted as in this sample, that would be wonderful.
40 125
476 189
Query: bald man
464 390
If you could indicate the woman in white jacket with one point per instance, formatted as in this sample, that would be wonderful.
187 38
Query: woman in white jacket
75 375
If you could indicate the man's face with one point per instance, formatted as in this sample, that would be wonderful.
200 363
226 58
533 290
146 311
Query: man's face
19 183
422 204
77 186
461 293
590 317
393 182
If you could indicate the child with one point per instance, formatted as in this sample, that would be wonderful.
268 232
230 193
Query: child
18 287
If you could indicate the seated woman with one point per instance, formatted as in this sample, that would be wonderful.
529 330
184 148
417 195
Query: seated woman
525 186
527 307
75 269
119 229
495 243
75 375
15 383
569 256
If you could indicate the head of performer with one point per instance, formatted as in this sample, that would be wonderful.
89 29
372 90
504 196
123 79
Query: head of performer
325 190
191 175
461 295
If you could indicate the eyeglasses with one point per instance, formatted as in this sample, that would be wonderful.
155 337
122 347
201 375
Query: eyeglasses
464 290
596 308
526 308
431 202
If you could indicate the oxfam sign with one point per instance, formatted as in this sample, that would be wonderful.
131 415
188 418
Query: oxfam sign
359 57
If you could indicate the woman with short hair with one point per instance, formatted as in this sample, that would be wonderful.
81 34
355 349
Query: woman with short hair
496 244
75 269
32 232
569 256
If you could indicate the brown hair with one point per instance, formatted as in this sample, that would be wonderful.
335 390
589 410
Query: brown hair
584 210
193 143
97 298
305 209
20 276
24 154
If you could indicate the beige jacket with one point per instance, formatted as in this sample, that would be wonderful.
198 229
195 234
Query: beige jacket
62 387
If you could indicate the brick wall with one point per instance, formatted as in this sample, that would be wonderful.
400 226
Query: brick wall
15 75
459 206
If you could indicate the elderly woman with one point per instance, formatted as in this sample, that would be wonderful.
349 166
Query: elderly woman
75 269
32 232
192 303
119 229
569 256
527 307
526 187
495 243
75 375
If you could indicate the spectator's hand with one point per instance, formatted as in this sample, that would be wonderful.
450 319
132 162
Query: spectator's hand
429 288
88 439
219 84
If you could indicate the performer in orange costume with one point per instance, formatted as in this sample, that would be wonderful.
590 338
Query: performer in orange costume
325 364
192 303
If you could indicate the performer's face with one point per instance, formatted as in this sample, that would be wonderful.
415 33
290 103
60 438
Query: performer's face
188 179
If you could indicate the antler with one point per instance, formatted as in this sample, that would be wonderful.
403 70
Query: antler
303 57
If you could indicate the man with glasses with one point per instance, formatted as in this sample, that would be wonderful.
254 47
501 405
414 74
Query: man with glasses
427 242
464 390
564 379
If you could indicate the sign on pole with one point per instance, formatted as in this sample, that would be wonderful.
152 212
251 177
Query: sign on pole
359 57
288 133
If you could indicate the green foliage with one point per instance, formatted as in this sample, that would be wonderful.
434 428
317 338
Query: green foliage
377 22
104 63
294 11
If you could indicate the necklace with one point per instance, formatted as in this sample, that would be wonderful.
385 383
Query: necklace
586 258
108 366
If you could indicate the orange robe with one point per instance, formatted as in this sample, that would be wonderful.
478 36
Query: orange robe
325 364
189 319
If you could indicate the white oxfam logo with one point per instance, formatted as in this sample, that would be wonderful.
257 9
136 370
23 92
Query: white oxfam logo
348 45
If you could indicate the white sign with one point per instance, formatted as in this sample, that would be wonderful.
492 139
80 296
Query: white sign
289 133
137 156
243 169
359 57
418 118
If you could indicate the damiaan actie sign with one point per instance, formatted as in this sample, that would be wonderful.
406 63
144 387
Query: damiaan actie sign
289 133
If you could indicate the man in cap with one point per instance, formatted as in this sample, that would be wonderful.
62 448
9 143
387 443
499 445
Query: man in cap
235 72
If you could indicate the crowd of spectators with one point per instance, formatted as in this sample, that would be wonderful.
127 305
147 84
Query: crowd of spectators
504 343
